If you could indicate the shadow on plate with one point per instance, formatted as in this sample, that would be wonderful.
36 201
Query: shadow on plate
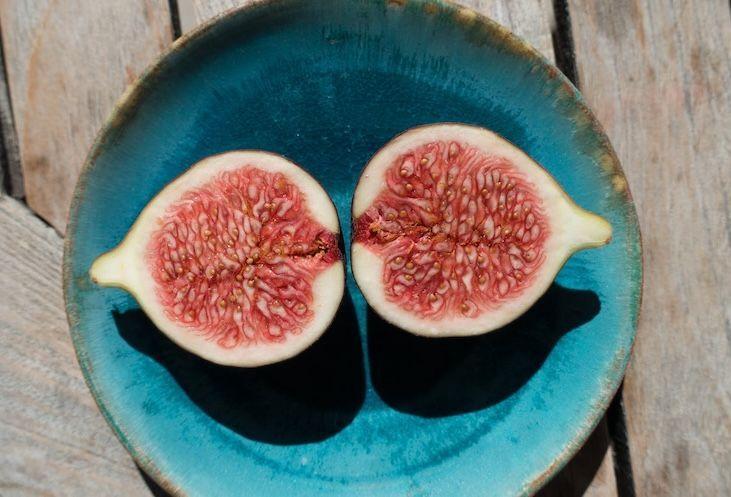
155 489
441 377
305 399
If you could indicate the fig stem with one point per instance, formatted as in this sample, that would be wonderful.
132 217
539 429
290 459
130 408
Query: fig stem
108 269
590 230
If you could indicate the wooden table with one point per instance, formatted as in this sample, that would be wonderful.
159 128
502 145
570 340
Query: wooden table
656 72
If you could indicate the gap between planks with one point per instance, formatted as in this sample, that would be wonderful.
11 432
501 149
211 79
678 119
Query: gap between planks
10 169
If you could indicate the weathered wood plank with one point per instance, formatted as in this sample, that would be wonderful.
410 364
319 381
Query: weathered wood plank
658 74
54 440
67 63
531 19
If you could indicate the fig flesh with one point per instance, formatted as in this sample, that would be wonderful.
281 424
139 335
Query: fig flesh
237 260
457 232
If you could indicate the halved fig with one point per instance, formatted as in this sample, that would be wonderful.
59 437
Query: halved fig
237 260
457 232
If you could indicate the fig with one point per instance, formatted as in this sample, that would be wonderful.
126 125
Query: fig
238 260
457 232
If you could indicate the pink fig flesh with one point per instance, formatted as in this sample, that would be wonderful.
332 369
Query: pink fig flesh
459 231
235 259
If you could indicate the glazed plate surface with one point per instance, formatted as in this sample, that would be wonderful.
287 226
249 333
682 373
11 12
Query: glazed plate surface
368 410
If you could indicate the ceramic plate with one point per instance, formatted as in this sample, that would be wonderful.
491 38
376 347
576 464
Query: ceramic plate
368 410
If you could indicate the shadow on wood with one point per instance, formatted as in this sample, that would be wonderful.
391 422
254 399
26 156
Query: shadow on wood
155 489
590 473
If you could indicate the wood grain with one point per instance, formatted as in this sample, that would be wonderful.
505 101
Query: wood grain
67 63
54 440
658 74
531 19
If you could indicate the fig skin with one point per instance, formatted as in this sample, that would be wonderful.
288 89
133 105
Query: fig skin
128 265
477 298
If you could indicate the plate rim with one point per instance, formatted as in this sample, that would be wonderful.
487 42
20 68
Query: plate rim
517 47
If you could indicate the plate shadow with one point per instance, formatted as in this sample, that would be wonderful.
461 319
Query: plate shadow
441 377
304 399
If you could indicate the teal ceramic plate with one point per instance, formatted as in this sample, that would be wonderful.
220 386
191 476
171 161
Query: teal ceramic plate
368 410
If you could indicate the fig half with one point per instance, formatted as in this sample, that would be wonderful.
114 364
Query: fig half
237 260
457 232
